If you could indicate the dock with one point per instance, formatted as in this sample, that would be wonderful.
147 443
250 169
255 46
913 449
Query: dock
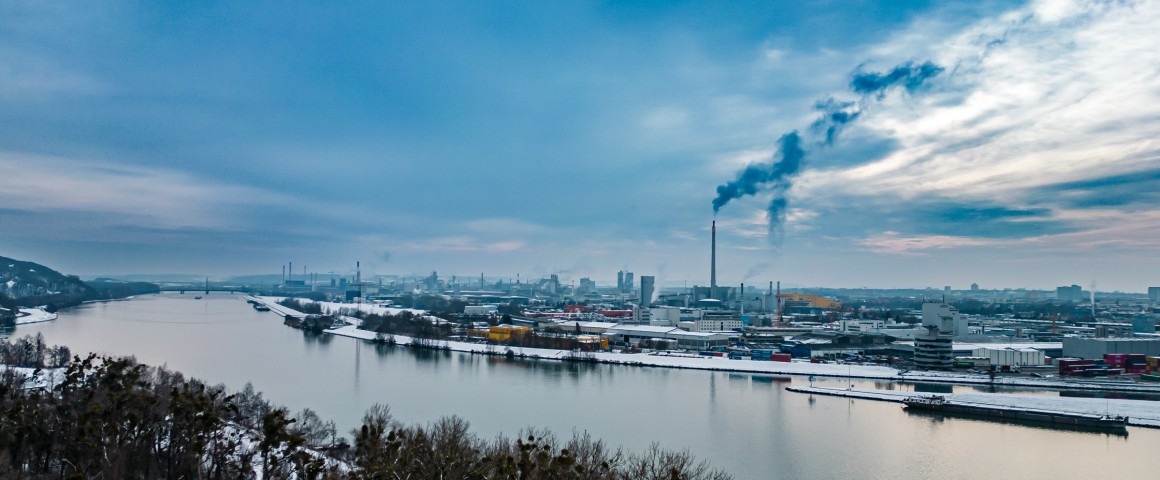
276 308
1140 413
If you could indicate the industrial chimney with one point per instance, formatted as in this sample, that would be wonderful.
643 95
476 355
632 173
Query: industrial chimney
713 265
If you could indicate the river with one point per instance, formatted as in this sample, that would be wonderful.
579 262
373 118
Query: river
746 424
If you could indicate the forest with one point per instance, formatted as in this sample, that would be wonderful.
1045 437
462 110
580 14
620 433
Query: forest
114 418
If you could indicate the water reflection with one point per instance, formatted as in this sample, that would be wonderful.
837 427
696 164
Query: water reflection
939 418
754 431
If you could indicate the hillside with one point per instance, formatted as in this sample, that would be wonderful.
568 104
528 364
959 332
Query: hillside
32 284
22 280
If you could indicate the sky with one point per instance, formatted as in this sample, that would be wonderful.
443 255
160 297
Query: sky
582 138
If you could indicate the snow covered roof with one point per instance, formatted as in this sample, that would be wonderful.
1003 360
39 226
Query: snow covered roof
643 328
687 334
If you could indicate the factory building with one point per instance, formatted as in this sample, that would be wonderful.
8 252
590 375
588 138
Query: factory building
672 316
634 334
481 310
946 318
1011 357
1073 293
1095 348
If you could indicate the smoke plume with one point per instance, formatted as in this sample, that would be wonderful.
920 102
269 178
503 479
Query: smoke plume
777 174
908 74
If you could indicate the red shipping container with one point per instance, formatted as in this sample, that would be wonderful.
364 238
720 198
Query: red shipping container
1074 361
781 357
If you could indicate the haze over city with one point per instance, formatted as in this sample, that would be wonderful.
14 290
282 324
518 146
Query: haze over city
581 139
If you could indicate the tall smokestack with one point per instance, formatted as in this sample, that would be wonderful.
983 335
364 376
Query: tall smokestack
778 298
713 265
743 299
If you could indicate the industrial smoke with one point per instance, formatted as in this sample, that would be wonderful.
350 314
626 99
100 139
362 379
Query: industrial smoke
777 175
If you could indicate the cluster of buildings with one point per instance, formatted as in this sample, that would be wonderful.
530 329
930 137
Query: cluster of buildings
636 313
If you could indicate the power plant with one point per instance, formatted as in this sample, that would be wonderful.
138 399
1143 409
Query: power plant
713 266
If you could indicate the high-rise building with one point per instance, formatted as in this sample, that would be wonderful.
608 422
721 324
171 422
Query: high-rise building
646 289
933 351
1073 293
620 281
946 318
1154 294
587 285
627 282
974 287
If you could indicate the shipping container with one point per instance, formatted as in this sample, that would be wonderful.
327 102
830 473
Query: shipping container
1074 361
781 357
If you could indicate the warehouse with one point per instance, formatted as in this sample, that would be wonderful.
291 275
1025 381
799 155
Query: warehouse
1095 348
633 334
1012 357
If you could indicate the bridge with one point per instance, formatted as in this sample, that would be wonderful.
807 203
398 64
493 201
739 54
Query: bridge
193 288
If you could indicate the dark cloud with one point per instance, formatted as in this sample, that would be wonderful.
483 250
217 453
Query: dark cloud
1110 191
981 220
859 217
908 75
835 114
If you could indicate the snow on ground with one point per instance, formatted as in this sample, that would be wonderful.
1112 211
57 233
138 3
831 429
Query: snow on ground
724 364
34 315
47 378
1142 413
751 366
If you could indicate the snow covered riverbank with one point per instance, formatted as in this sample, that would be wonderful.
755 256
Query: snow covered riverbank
752 366
34 315
1141 413
661 359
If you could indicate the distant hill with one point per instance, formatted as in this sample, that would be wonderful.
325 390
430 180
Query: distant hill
20 280
32 284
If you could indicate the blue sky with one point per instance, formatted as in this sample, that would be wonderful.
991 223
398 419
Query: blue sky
581 138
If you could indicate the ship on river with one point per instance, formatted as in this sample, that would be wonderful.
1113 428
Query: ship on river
942 405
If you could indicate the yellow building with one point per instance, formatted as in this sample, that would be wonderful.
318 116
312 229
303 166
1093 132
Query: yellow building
503 333
815 300
593 343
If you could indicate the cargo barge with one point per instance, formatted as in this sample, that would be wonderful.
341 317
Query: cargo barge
939 404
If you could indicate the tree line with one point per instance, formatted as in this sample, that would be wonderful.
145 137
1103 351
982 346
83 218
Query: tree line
32 352
111 417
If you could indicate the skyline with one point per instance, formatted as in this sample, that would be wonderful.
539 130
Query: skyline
581 139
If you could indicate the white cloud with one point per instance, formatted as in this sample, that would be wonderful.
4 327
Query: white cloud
142 196
895 243
463 244
1069 92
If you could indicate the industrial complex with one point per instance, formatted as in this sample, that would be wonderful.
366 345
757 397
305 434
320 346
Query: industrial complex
993 331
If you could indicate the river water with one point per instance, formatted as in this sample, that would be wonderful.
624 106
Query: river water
747 424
